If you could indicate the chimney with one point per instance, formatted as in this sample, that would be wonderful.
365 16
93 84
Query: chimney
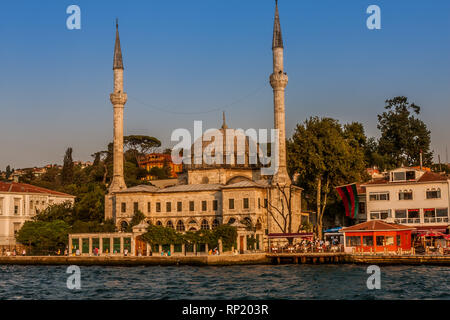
421 159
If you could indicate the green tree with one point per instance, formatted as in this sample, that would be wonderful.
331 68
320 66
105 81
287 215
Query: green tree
44 237
403 135
325 156
8 171
67 170
139 145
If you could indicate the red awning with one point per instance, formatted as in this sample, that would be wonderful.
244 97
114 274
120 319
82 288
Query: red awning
430 229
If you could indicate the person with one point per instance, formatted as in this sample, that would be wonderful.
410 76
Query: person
168 253
210 252
96 251
77 252
24 252
65 252
125 252
162 253
58 252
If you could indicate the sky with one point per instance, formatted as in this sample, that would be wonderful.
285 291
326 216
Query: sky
191 60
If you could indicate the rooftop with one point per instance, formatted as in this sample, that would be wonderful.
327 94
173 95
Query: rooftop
376 225
14 187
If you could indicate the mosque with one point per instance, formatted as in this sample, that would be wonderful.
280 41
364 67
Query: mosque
207 195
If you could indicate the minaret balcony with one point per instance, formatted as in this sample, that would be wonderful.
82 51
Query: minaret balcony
278 80
118 98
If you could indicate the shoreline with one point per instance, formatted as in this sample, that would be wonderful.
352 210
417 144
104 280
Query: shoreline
229 260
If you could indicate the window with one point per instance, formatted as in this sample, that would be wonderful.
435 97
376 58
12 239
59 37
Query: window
230 203
375 215
215 205
1 206
245 203
413 213
205 225
259 203
404 175
158 223
180 225
16 209
149 207
368 241
265 203
168 206
204 206
169 224
231 221
405 195
429 213
191 206
179 206
123 226
158 207
389 240
400 214
353 241
442 212
379 196
135 207
380 240
123 207
399 241
31 205
215 223
434 194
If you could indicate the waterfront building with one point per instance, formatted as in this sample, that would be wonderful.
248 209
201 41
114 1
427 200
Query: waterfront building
159 160
377 236
19 202
410 196
207 195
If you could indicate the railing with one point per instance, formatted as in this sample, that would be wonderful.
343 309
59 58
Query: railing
436 220
425 220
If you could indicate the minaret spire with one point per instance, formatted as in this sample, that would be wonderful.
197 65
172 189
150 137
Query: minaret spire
118 99
277 41
278 81
118 63
224 124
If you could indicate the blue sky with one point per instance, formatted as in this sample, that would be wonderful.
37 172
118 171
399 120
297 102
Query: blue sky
189 60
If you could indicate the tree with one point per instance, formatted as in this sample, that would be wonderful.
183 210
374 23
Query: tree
280 208
8 171
139 145
67 170
137 218
325 156
44 237
403 135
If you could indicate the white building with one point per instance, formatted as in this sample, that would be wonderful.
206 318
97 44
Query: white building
409 196
19 202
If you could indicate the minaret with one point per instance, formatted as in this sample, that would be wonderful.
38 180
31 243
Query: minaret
278 81
118 100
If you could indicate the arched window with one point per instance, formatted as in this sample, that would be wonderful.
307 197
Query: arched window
169 224
149 222
215 223
192 229
258 225
205 225
123 225
180 225
158 223
231 220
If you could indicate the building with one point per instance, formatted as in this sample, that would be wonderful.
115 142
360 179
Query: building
410 196
207 195
19 202
159 160
377 236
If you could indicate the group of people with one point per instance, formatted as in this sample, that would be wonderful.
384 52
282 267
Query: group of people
13 253
307 245
214 252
